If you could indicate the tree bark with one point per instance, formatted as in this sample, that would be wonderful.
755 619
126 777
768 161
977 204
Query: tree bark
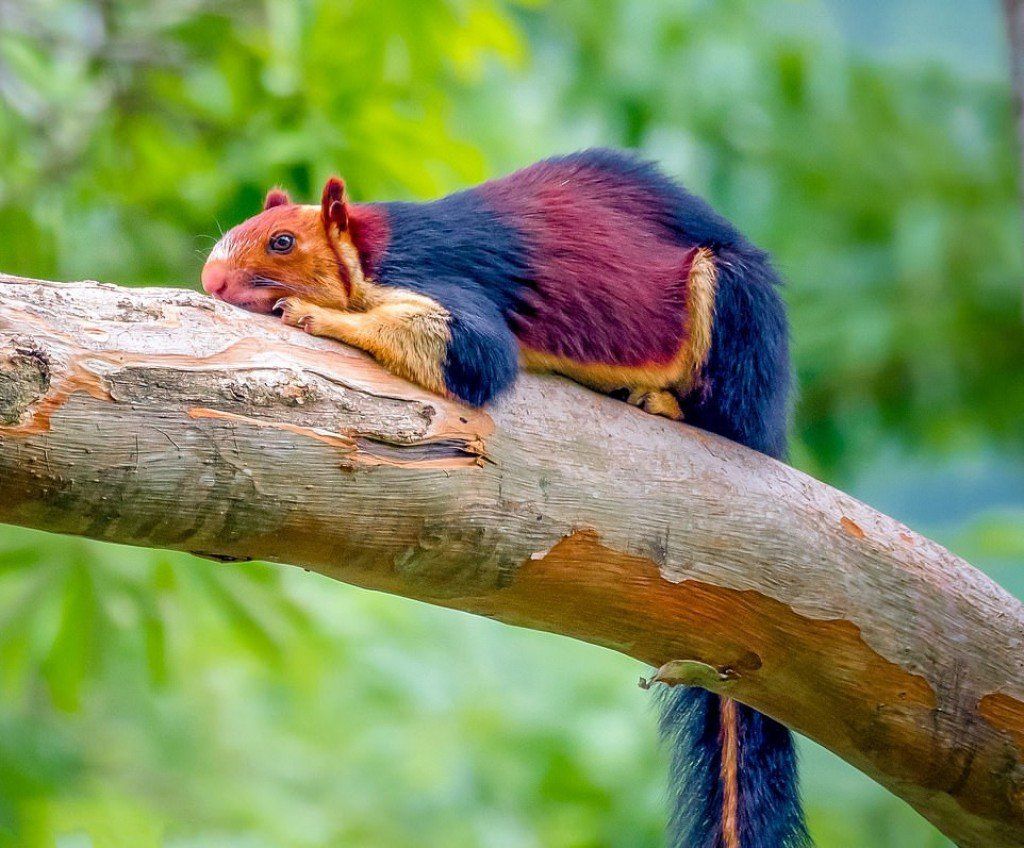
161 418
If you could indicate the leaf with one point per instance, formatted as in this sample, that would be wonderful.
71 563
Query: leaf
73 652
244 622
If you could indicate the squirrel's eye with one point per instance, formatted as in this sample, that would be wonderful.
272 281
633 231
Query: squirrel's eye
281 243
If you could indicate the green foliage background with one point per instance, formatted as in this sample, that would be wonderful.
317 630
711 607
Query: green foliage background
150 699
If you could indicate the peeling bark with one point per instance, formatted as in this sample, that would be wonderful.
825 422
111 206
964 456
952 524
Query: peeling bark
160 418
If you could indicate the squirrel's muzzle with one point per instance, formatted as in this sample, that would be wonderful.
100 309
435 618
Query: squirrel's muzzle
215 277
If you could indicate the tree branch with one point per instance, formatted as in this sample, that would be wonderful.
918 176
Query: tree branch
161 418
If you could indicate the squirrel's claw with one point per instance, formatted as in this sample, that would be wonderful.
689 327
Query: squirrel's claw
294 311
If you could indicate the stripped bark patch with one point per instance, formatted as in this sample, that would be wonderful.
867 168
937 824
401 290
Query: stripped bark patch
62 383
1004 711
851 527
875 705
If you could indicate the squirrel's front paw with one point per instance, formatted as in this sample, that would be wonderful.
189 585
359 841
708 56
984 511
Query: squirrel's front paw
296 312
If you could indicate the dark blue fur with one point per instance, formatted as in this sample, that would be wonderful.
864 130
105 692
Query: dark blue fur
769 813
483 355
690 728
455 251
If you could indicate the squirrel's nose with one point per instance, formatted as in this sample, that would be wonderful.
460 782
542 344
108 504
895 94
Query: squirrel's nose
214 277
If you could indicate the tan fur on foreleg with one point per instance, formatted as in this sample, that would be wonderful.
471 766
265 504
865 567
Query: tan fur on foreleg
315 320
406 332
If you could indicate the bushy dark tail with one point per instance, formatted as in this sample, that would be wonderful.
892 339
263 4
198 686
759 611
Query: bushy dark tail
733 778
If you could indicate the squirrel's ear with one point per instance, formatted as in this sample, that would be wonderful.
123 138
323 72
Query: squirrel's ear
333 208
276 197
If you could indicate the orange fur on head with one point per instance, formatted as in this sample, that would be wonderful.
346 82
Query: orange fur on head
288 250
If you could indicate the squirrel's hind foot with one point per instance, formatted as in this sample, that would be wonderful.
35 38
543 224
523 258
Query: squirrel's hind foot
661 403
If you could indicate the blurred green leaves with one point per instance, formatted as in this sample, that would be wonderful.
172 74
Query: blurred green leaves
136 127
291 711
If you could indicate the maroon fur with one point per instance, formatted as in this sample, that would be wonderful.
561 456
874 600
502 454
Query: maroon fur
368 226
332 205
610 282
276 197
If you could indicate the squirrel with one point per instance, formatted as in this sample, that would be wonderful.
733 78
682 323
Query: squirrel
596 266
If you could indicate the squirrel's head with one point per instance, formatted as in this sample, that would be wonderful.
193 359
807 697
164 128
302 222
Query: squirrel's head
288 249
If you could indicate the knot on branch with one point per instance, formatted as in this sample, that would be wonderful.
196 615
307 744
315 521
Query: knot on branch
24 379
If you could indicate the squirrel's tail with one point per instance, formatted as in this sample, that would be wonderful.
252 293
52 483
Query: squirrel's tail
733 775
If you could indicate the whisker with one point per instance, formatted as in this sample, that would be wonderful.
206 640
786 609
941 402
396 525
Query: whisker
267 283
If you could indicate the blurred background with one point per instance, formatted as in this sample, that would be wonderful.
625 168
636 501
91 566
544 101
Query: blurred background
151 699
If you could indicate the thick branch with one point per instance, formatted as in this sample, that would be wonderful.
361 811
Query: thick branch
162 418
